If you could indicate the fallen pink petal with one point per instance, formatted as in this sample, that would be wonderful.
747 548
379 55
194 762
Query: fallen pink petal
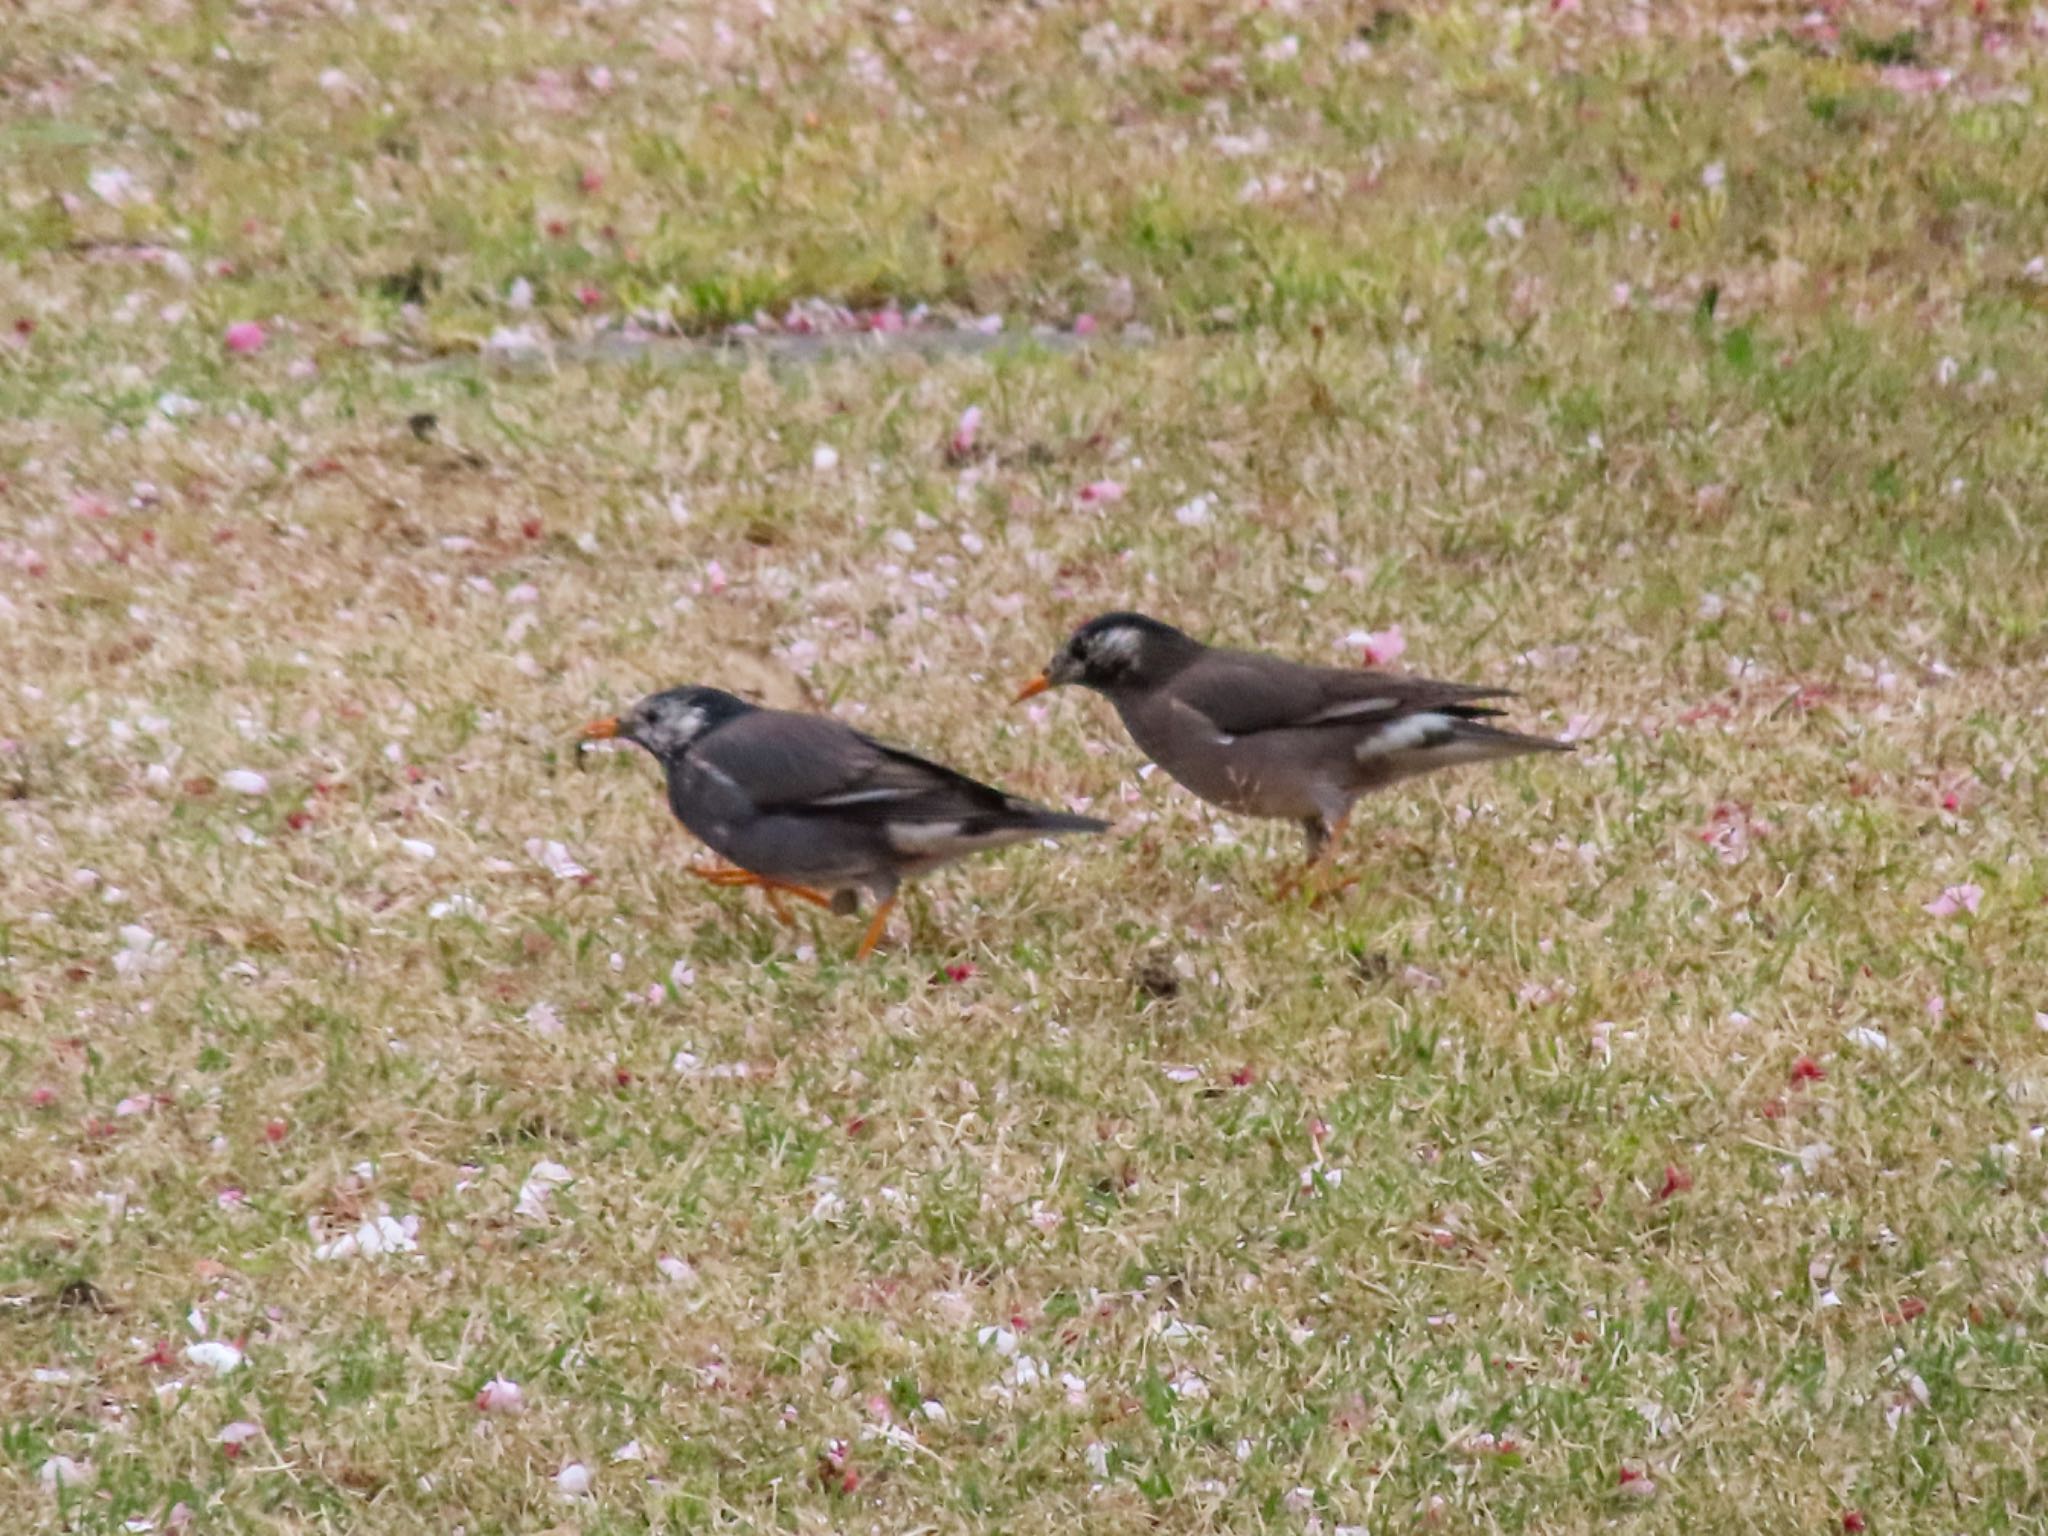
715 811
1955 899
500 1396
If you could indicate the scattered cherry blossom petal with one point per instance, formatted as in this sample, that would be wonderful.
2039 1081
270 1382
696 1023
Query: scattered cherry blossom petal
64 1472
962 442
215 1355
573 1481
501 1397
555 858
1954 899
540 1185
378 1235
245 336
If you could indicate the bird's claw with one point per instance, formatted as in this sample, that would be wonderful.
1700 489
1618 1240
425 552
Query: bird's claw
733 875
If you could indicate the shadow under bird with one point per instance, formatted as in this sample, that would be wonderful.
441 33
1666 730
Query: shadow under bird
1271 737
805 806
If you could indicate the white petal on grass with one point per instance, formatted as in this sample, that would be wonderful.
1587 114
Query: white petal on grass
245 781
573 1481
515 341
1870 1039
418 847
555 858
216 1355
116 186
63 1472
501 1397
540 1184
378 1235
238 1432
680 1271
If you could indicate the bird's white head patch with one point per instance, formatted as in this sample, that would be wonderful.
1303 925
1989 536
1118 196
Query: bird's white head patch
1114 649
665 726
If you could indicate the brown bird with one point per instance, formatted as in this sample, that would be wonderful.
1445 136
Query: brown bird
1270 737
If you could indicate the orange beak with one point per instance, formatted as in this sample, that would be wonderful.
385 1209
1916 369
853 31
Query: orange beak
1032 689
602 730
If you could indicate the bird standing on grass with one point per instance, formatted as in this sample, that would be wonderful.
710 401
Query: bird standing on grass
1270 737
804 806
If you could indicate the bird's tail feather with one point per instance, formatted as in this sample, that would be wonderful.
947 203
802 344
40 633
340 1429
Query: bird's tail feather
1432 739
1038 819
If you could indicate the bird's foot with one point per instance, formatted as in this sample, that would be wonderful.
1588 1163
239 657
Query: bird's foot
1318 882
1331 886
775 890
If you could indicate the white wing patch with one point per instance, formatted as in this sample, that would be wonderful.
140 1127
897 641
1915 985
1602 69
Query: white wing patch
713 771
1348 709
1404 735
867 796
924 836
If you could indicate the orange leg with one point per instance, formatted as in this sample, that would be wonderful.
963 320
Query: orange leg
730 875
1311 876
876 925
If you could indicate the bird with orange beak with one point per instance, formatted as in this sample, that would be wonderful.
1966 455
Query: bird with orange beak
807 807
1270 737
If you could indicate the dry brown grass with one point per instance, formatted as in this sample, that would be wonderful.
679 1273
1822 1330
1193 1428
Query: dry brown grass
1602 1156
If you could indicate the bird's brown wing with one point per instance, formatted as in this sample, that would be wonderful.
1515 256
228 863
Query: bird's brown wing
1243 694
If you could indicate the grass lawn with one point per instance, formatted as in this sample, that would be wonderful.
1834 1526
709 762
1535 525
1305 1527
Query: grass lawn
393 1138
